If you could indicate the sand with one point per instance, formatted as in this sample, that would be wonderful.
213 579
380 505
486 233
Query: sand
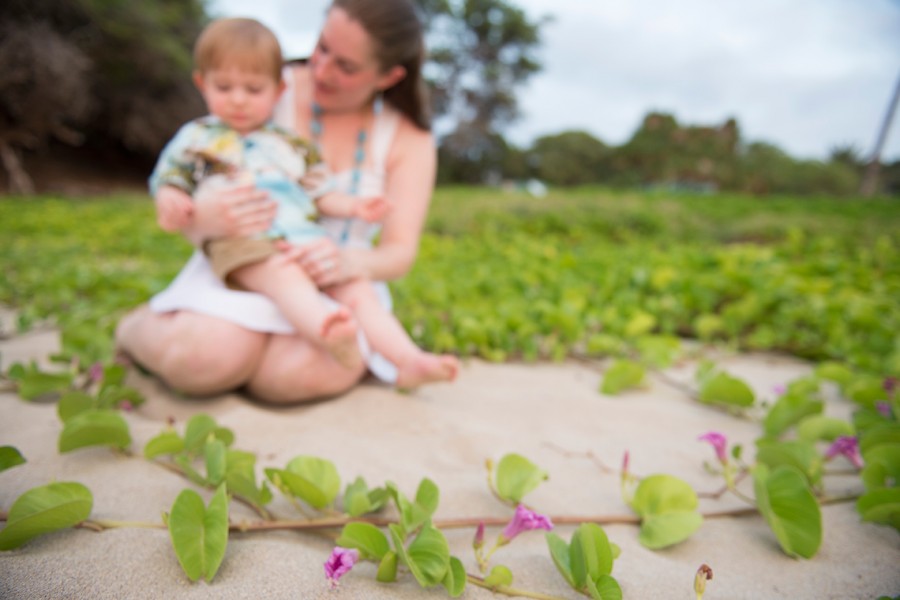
552 414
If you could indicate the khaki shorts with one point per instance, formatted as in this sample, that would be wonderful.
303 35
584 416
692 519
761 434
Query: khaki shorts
229 254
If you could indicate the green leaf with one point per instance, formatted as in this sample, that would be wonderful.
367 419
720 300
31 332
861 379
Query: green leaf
35 384
414 514
73 403
668 529
113 374
455 579
559 552
428 496
45 509
427 557
658 350
881 466
319 474
94 428
10 457
516 476
820 427
590 554
366 538
199 428
605 588
431 554
214 452
622 375
836 372
668 510
786 501
167 442
658 494
866 390
799 454
114 396
360 500
721 388
240 478
881 506
884 433
639 324
199 534
387 568
499 576
788 410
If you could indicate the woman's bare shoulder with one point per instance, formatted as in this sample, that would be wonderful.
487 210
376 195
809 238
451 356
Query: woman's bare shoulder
410 140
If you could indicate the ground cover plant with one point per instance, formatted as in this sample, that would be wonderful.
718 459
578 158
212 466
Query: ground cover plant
504 275
509 277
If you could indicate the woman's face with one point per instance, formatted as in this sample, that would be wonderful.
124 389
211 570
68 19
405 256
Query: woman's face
345 72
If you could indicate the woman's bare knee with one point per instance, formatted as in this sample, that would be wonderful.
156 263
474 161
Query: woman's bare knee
193 353
293 370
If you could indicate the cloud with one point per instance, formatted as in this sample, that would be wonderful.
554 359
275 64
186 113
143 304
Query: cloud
806 75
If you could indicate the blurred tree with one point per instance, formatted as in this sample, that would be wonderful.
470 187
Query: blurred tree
571 158
479 52
103 73
663 152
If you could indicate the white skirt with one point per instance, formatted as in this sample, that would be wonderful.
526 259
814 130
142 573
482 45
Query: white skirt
197 289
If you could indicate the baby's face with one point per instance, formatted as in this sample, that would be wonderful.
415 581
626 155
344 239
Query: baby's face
243 99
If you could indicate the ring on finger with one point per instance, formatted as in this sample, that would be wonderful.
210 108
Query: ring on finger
327 265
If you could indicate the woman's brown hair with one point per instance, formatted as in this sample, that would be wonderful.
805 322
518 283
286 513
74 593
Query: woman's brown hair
396 32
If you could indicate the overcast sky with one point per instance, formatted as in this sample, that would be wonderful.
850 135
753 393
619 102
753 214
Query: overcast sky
805 75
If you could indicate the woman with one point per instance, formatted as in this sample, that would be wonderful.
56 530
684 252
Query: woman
201 338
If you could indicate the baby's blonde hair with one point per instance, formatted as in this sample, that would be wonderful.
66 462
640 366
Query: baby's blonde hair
244 43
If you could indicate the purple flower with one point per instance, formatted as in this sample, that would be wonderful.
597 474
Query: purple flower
890 385
779 390
525 520
95 373
478 541
719 443
849 447
339 563
884 409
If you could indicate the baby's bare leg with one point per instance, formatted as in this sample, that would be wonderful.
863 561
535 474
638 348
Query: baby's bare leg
289 287
386 335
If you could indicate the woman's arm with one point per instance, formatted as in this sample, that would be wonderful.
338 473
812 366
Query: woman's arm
234 212
411 171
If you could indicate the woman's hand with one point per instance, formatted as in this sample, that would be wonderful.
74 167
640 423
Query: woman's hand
239 210
174 208
322 259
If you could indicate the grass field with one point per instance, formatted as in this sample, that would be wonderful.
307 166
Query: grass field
502 275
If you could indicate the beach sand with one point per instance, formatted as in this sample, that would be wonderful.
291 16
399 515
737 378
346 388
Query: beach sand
553 414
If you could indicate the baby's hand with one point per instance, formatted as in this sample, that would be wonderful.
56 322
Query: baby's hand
372 209
174 209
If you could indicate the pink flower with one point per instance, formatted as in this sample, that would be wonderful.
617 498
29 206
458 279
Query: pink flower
478 541
849 447
95 373
525 520
719 443
339 563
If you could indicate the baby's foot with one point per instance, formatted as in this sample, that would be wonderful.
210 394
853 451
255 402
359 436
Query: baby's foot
427 368
339 337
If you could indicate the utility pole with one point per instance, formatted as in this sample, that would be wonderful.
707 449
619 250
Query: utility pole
870 177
